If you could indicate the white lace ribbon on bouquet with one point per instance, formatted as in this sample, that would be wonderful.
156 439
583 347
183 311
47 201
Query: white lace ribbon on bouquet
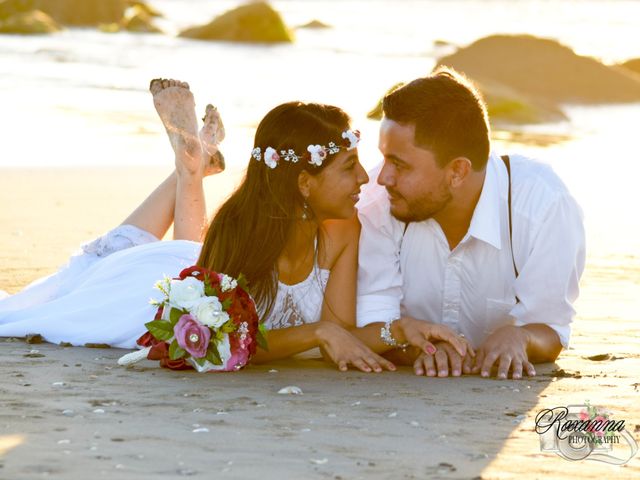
133 357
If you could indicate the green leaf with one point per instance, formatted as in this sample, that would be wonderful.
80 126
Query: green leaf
160 329
200 361
213 355
226 304
242 281
228 327
175 315
175 352
261 337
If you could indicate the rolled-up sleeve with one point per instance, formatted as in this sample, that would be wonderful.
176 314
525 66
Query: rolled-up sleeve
548 282
379 276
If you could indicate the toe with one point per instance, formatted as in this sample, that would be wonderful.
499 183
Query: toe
155 85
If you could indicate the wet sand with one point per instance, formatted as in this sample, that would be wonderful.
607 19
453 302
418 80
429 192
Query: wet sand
70 412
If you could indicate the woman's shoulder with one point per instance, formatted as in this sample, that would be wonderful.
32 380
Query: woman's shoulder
336 236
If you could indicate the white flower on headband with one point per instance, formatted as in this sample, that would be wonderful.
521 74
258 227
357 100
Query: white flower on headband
256 153
271 157
289 155
318 154
353 137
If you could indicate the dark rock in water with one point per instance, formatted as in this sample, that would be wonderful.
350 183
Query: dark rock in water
33 22
442 43
138 20
254 22
507 106
82 12
544 69
315 24
97 345
149 10
504 106
376 112
633 65
33 338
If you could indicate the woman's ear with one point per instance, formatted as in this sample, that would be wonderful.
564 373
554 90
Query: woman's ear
304 183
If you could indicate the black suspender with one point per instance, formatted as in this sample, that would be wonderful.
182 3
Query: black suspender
507 163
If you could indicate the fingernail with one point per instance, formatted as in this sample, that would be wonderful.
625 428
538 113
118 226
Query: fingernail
516 377
456 373
485 374
502 376
431 373
442 373
419 372
431 349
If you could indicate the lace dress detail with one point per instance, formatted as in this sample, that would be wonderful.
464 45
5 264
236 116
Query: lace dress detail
300 303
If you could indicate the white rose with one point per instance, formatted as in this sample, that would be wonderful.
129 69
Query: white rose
186 293
209 312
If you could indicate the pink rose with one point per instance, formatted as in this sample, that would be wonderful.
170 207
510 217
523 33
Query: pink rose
583 416
192 336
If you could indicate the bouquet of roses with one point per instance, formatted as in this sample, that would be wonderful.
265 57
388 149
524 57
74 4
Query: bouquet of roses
205 321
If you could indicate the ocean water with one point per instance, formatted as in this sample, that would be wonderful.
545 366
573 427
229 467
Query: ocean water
80 97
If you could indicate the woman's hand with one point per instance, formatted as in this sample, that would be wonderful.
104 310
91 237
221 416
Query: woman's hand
421 334
344 349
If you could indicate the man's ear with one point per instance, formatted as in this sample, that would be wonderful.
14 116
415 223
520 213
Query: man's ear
304 183
459 170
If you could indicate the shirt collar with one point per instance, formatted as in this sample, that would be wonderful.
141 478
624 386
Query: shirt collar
485 222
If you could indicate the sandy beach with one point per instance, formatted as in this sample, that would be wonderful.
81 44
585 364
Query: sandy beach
70 411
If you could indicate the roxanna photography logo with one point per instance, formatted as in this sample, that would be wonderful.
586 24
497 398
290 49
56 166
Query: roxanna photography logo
585 432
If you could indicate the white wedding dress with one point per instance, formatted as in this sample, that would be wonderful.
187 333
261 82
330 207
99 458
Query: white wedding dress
102 295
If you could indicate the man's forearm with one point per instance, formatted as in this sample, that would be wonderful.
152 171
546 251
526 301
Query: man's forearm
543 343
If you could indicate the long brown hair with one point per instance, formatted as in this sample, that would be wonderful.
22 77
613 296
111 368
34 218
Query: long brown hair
249 231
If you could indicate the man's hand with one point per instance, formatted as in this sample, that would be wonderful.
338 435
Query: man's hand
506 348
439 363
344 349
420 333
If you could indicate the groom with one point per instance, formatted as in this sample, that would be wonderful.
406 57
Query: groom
491 247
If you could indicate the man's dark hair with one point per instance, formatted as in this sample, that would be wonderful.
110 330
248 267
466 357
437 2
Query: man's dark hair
449 115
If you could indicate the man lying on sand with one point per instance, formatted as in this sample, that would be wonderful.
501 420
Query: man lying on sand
452 234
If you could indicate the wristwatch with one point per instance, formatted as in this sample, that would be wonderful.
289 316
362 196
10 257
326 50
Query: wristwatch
387 337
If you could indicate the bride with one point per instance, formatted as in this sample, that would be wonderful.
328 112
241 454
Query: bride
290 228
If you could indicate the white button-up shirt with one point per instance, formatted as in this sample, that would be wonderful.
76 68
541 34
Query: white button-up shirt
409 269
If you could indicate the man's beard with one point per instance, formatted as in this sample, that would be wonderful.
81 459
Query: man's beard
423 208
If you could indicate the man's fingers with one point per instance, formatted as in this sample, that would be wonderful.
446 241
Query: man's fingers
488 362
477 364
467 365
528 367
503 366
342 366
516 369
429 365
455 361
442 362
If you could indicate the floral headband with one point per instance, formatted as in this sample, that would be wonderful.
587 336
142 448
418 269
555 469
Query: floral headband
315 154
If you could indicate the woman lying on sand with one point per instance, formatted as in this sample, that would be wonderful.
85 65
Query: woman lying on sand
289 228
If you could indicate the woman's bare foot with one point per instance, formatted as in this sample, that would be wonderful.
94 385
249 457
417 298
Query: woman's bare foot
211 134
175 105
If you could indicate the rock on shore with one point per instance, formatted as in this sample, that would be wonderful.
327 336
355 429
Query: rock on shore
255 22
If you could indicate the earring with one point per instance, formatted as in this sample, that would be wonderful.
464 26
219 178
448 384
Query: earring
305 211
